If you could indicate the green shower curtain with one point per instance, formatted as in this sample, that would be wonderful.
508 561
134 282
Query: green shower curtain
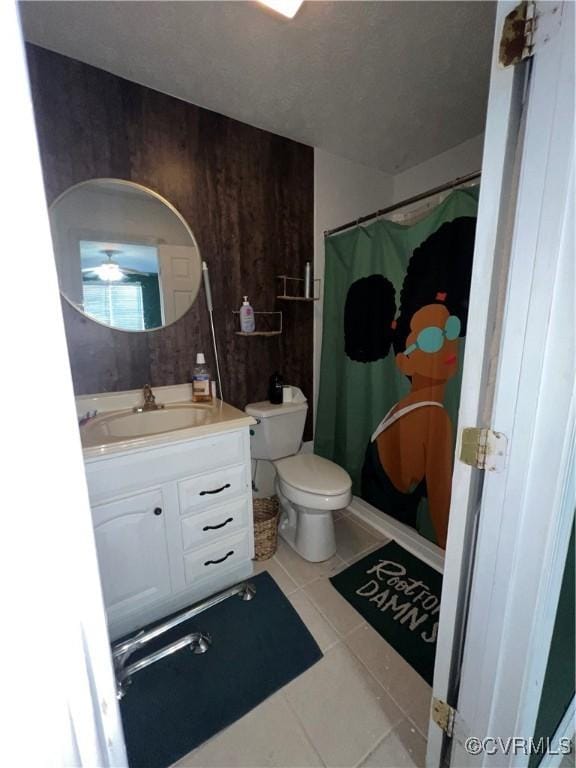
354 396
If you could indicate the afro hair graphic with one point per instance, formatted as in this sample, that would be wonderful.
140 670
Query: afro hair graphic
368 317
439 272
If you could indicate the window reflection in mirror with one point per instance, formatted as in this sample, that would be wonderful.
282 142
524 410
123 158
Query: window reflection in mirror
121 284
125 257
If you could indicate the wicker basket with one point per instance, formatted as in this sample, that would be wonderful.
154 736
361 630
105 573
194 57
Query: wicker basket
265 527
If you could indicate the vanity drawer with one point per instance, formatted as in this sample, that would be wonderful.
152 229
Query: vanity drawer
218 557
113 476
202 491
215 525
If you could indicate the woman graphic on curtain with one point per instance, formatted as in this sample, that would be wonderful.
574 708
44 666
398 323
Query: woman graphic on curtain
409 455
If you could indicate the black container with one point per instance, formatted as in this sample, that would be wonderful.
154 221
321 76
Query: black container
275 389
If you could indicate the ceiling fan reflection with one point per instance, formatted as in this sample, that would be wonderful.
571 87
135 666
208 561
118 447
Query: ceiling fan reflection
110 271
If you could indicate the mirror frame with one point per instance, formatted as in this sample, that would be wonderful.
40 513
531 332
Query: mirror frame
163 200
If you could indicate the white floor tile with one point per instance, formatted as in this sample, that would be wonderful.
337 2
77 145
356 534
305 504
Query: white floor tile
269 736
404 747
410 691
343 710
319 628
343 617
280 576
300 570
352 539
370 528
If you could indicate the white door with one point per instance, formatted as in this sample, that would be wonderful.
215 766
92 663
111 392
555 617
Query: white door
58 687
509 529
132 552
179 277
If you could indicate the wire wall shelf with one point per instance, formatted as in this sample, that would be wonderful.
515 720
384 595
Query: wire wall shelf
267 324
290 292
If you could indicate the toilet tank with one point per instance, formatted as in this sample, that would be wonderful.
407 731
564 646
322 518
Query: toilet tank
279 430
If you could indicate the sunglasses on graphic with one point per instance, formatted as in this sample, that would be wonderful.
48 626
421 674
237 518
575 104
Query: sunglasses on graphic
432 339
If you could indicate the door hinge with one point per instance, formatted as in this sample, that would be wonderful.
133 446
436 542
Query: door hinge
526 27
483 448
444 716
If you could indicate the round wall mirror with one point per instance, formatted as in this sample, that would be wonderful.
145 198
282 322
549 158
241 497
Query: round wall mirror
125 257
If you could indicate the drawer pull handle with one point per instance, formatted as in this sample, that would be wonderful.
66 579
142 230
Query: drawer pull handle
215 527
218 490
158 511
221 560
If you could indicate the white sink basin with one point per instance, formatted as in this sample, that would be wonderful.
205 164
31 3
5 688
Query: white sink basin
118 428
110 431
127 425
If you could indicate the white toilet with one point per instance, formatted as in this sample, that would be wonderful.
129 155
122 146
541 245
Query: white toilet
309 487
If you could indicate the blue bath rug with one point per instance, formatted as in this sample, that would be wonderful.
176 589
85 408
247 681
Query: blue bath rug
399 596
176 704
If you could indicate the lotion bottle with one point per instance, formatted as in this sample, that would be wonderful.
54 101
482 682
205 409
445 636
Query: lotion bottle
247 323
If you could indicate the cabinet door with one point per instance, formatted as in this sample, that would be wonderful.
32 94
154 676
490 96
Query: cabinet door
132 552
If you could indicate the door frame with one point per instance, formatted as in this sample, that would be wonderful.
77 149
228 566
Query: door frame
526 511
501 138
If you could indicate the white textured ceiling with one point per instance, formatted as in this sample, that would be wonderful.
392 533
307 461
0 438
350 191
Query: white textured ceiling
387 84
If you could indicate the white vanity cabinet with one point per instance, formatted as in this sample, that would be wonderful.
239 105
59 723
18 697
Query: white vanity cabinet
173 524
132 552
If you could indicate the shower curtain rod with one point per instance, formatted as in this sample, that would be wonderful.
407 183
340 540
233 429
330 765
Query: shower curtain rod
408 201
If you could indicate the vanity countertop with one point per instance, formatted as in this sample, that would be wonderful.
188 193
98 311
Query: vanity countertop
116 428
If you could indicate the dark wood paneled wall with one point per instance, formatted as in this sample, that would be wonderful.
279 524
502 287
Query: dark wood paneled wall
246 193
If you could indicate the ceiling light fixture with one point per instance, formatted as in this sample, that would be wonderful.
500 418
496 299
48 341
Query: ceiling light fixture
288 8
109 270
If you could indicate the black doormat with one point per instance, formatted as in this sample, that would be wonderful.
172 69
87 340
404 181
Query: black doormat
399 596
174 705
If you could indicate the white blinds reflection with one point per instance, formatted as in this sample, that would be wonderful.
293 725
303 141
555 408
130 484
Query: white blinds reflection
120 306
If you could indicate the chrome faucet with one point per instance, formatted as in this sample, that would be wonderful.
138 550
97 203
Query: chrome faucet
150 403
88 416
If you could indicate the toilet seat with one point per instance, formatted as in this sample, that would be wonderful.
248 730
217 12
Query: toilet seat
314 482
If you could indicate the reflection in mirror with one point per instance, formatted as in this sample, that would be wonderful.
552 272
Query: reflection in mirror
125 257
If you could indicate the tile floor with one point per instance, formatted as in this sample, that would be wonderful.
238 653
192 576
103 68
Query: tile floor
361 705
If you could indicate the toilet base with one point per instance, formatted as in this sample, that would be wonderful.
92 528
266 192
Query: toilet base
309 532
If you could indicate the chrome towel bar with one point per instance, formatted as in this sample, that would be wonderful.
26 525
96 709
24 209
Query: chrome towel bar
198 642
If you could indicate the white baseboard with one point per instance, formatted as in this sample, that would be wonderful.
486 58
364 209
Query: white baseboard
406 536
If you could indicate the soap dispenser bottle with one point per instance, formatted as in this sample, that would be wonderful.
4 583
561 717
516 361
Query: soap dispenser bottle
247 323
275 389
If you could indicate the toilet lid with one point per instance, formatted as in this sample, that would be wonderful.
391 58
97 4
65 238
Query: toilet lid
314 474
